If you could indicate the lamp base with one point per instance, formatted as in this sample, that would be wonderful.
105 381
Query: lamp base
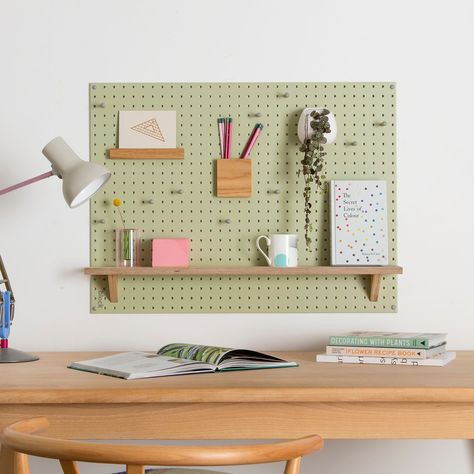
11 356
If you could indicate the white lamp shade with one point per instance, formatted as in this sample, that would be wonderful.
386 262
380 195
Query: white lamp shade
81 179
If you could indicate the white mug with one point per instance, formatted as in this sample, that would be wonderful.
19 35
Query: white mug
282 249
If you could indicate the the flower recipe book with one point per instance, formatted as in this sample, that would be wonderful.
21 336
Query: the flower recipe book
358 213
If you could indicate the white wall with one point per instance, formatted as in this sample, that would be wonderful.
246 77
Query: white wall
50 51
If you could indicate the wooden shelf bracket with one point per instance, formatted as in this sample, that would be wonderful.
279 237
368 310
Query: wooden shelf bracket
112 281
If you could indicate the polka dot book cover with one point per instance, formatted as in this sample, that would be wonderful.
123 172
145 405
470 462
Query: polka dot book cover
358 212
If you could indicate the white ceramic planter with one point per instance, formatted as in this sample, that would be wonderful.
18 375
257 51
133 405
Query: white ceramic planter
305 130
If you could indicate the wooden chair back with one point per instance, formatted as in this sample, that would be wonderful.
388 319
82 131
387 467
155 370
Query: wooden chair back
24 437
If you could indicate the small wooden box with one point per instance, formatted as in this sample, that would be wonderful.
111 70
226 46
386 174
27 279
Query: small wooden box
234 178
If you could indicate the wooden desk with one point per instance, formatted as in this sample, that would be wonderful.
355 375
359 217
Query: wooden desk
335 401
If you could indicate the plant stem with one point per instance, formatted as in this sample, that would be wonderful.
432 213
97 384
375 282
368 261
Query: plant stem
307 199
121 217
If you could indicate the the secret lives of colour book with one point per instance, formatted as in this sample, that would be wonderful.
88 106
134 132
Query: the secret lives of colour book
359 222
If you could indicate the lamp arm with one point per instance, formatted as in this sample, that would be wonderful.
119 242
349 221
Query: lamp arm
26 183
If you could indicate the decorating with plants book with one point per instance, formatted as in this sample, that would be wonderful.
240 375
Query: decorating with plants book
179 359
403 340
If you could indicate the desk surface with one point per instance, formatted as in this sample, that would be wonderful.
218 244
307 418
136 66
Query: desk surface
49 381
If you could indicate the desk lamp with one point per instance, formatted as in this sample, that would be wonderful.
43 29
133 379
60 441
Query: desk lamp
81 179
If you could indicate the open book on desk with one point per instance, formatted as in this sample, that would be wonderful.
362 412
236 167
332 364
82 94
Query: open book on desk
179 359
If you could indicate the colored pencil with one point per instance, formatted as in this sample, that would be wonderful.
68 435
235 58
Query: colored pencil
220 126
252 133
251 142
225 137
229 148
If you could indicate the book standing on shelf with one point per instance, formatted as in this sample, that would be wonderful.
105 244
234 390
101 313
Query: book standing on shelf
358 222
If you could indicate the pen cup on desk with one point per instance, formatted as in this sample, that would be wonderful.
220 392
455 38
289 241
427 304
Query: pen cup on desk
234 178
127 247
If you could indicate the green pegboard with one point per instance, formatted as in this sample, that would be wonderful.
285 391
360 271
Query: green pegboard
196 212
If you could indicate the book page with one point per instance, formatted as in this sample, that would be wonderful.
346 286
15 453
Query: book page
208 354
138 363
223 357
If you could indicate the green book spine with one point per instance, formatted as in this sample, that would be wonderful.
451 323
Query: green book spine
375 341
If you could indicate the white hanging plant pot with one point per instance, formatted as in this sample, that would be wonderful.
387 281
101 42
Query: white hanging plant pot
304 127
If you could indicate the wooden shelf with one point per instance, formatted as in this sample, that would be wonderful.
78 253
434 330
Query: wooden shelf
146 153
113 273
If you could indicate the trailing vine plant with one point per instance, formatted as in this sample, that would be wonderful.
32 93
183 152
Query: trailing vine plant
313 163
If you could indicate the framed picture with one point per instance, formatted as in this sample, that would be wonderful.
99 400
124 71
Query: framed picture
147 129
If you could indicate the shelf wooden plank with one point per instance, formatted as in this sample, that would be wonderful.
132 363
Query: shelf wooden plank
244 271
146 153
112 273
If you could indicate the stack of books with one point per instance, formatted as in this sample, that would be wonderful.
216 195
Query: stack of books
388 348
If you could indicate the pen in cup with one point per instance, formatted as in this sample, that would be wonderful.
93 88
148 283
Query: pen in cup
228 137
220 126
226 127
251 141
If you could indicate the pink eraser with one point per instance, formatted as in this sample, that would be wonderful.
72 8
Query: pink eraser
170 253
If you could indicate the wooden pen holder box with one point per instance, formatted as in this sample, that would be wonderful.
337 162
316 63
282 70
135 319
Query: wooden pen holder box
234 177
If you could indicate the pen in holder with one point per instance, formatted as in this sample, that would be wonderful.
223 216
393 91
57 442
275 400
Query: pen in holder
234 178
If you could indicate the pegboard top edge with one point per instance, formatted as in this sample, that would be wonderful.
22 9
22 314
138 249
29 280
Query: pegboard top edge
250 83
